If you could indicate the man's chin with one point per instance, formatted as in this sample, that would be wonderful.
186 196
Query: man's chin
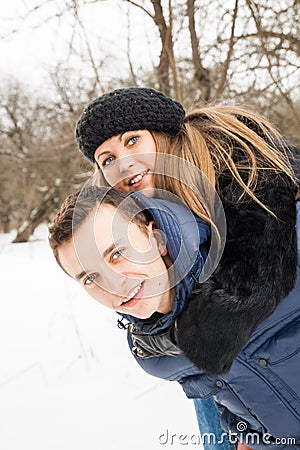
144 316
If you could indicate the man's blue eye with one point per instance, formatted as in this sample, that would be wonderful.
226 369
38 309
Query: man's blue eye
108 161
116 255
90 279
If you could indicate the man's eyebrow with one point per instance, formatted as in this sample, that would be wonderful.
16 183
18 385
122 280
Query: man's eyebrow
110 249
105 253
80 275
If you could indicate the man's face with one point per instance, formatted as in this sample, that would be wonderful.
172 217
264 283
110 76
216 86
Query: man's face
119 263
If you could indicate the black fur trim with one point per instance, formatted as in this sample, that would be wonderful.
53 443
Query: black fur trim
256 272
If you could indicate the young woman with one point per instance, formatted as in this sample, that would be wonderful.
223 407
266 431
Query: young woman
140 257
253 169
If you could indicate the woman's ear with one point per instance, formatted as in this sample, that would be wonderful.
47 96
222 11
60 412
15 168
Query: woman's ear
160 238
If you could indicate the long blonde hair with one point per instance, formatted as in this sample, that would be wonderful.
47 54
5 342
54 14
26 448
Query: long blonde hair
221 140
217 140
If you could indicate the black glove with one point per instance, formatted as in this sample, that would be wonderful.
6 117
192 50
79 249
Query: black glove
149 346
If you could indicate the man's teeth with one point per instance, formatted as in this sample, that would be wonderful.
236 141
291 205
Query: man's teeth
134 292
137 178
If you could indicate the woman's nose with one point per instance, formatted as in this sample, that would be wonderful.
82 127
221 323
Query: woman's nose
126 163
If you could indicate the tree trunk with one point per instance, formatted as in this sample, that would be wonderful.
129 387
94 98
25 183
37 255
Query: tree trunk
201 75
5 223
37 216
225 68
167 54
24 232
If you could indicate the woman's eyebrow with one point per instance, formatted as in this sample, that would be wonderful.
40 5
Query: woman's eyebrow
104 152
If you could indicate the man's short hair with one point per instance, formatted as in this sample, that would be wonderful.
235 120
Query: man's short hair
77 207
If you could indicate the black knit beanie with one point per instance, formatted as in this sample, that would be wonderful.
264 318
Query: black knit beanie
124 110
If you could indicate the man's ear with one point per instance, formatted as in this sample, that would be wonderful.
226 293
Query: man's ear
160 238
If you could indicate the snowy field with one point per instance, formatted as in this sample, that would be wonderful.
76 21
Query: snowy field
67 379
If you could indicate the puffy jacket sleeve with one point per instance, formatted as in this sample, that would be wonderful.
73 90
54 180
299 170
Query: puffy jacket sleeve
256 271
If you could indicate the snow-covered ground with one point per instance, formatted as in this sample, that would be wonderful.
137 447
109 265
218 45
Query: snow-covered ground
67 379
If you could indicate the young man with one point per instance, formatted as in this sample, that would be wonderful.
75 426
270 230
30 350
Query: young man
103 240
142 257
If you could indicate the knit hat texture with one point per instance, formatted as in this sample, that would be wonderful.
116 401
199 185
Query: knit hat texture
123 110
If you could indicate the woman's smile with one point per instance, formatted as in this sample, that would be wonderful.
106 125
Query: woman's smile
137 179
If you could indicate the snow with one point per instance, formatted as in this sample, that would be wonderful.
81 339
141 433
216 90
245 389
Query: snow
67 379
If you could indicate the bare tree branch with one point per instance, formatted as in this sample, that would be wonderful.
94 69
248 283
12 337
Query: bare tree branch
226 64
134 79
141 7
87 43
256 17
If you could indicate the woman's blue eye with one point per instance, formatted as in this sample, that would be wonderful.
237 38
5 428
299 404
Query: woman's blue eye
108 161
90 279
132 140
116 255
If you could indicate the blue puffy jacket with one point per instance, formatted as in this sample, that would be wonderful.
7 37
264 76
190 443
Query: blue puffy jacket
260 396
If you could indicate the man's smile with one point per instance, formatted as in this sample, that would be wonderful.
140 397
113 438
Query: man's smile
132 297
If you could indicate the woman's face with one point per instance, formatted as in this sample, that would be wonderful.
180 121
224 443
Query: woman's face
127 161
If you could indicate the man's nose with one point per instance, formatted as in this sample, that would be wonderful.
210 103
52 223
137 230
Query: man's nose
116 283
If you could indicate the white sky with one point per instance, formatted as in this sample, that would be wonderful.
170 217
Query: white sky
29 52
24 52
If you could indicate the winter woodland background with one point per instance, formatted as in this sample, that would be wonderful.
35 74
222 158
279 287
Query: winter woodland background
241 51
60 388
